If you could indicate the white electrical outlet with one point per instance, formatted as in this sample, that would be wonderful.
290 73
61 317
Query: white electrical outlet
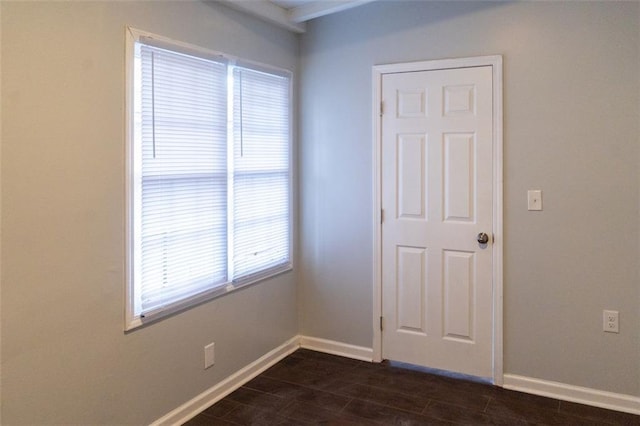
610 321
209 355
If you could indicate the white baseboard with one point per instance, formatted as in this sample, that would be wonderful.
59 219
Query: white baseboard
337 348
581 395
193 407
562 391
196 405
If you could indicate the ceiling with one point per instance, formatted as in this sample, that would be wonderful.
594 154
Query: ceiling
292 14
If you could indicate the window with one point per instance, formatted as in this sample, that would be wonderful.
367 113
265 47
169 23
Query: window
209 176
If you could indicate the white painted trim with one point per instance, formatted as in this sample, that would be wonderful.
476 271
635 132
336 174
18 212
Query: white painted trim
196 405
316 9
337 348
498 245
191 408
579 394
212 395
1 145
132 319
377 213
267 11
378 70
292 19
439 64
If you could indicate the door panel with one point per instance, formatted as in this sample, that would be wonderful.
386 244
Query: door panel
411 179
459 177
458 282
437 196
410 289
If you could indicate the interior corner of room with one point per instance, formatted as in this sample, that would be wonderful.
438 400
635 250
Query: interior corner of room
558 179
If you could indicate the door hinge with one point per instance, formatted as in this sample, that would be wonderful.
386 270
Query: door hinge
381 108
381 324
381 216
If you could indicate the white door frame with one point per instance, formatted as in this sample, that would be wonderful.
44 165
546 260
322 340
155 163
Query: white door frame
378 71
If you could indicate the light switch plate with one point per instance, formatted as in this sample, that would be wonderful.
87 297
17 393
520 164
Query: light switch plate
534 199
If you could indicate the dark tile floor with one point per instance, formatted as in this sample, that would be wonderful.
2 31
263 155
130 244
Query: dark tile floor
310 387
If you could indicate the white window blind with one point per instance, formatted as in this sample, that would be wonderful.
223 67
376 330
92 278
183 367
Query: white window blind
183 204
261 178
210 178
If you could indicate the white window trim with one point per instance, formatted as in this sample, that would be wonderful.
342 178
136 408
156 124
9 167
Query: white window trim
133 321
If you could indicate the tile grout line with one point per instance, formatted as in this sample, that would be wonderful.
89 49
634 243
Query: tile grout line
312 389
326 377
289 404
486 406
363 383
429 401
342 410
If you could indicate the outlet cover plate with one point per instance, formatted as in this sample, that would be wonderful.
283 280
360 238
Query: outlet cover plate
610 321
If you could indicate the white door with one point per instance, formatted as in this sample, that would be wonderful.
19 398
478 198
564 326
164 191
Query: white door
436 198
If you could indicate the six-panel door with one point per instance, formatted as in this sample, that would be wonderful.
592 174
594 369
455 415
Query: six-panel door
437 197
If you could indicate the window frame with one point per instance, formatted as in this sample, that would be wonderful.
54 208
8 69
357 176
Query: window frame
132 220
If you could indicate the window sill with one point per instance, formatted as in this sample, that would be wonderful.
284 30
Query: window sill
206 296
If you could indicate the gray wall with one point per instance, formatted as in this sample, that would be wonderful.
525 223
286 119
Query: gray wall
572 107
571 128
65 358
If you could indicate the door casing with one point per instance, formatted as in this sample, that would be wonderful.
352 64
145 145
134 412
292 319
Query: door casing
497 248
